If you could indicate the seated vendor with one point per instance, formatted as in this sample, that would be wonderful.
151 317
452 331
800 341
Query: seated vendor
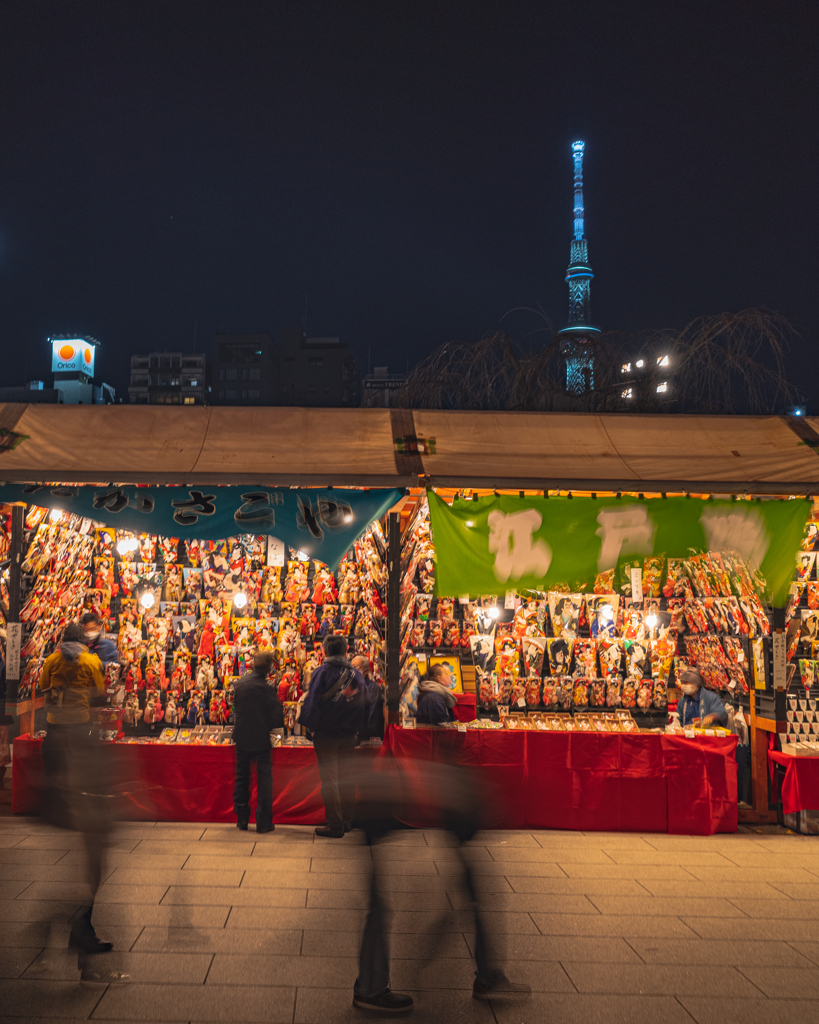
435 699
698 707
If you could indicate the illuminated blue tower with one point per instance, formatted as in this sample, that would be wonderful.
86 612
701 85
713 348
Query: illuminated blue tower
575 337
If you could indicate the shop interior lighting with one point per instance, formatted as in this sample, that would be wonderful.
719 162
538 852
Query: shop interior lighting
606 612
240 599
662 360
628 393
640 363
302 556
56 515
494 612
470 522
651 620
126 544
348 517
147 599
662 387
626 368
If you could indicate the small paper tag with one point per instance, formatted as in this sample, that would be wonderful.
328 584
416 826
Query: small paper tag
511 599
636 585
710 732
689 733
461 727
521 702
275 552
409 723
463 599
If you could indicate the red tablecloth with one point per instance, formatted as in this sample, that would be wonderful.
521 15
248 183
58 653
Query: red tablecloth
588 781
466 707
800 787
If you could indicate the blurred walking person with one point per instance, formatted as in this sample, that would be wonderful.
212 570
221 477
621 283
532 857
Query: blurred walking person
257 712
77 793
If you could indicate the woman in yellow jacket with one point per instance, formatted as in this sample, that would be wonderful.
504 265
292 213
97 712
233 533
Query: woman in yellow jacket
76 777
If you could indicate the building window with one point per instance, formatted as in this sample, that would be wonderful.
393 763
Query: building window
193 383
164 362
230 393
311 388
174 381
175 362
315 360
235 353
255 373
221 395
231 374
254 394
188 400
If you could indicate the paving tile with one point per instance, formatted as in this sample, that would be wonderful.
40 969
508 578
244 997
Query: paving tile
731 890
784 982
47 872
150 848
403 947
782 929
503 838
649 856
591 1009
153 968
329 850
773 874
361 865
568 947
736 952
286 865
790 909
106 894
614 924
342 899
14 962
265 879
578 886
635 871
718 1010
505 855
41 934
116 859
810 950
315 971
335 1006
462 921
395 881
142 876
648 979
538 869
195 1003
38 910
15 856
121 914
258 942
451 975
212 896
794 890
288 918
48 999
528 902
650 906
12 888
8 840
591 841
67 841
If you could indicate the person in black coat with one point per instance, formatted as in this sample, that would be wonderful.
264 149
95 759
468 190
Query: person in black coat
435 699
257 711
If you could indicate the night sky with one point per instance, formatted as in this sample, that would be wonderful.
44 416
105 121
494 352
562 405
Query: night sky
397 173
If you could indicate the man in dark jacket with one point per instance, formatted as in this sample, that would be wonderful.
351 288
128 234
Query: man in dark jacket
257 711
435 699
339 704
96 641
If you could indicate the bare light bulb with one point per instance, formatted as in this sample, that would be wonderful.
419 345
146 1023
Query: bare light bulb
606 612
348 517
240 599
651 620
494 612
147 600
302 556
56 515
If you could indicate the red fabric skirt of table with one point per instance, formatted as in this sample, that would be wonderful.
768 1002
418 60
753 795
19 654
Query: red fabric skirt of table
587 781
800 787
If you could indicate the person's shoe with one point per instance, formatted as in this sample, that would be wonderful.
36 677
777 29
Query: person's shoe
242 826
347 827
265 828
330 833
385 1002
103 977
84 938
497 985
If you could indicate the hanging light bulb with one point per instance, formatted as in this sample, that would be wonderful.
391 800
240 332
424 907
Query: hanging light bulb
302 556
56 515
240 599
606 612
126 544
147 599
494 612
348 517
651 620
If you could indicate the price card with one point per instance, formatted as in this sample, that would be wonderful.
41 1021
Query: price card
275 552
463 599
409 723
461 727
636 584
521 702
689 733
511 599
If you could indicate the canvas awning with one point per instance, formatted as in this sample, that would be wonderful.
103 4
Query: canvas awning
384 447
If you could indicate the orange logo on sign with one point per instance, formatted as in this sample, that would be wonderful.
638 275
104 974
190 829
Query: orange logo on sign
87 356
66 353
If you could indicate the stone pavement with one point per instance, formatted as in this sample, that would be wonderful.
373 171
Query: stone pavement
214 925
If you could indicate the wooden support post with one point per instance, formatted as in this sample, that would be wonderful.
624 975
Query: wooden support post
393 659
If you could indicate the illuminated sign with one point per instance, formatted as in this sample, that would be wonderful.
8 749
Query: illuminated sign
73 355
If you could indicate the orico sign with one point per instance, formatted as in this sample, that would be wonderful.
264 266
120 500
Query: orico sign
74 355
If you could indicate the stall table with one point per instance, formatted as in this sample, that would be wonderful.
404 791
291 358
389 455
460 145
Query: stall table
531 780
800 785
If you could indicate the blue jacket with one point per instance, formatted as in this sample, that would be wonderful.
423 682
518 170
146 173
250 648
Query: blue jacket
709 704
349 711
432 709
104 649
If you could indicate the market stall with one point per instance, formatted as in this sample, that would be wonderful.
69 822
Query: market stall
192 578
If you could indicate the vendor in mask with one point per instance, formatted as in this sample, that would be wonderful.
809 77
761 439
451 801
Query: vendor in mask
95 639
699 707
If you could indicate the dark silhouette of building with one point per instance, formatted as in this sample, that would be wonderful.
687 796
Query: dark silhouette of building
168 378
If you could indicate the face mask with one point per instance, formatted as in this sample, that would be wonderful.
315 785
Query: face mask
689 689
91 637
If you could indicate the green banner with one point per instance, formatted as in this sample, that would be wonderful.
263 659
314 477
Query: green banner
502 542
